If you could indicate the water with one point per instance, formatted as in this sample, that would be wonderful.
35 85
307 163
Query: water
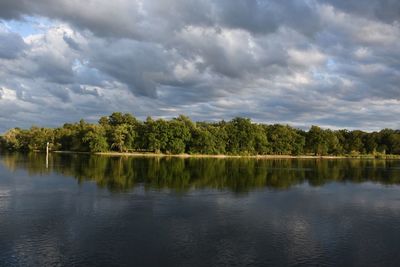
111 211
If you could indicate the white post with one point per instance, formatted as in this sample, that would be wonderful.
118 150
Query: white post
47 155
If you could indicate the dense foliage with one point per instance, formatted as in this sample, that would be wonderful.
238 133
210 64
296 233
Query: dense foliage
124 133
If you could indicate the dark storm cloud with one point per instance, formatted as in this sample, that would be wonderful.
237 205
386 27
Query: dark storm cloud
139 65
329 62
71 42
53 70
385 10
105 17
11 44
83 90
133 19
12 9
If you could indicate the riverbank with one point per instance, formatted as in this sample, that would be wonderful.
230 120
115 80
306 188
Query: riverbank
149 154
212 156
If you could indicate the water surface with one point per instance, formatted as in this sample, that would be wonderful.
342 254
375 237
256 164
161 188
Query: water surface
85 210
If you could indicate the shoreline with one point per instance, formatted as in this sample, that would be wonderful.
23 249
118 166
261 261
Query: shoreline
222 156
219 156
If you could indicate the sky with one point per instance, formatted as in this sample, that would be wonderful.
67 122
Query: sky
332 63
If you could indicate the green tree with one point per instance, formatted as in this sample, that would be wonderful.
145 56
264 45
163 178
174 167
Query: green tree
118 137
316 141
333 143
96 139
241 137
371 142
355 141
261 144
284 140
178 133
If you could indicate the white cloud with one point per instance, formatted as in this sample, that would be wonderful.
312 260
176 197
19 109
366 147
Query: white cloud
201 58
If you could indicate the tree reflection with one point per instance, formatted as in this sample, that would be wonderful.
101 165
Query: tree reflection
119 174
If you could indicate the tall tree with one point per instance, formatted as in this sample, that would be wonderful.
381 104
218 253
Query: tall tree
317 141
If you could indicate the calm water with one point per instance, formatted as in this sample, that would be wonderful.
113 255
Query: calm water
111 211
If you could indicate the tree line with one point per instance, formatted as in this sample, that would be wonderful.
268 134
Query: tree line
239 136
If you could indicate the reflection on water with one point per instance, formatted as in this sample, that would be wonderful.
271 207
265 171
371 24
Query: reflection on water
238 175
109 211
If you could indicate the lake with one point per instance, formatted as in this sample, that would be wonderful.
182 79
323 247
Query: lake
83 210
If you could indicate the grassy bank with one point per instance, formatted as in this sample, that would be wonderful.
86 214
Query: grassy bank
149 154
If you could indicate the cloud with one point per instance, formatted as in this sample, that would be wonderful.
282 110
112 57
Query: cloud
384 10
208 59
11 44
